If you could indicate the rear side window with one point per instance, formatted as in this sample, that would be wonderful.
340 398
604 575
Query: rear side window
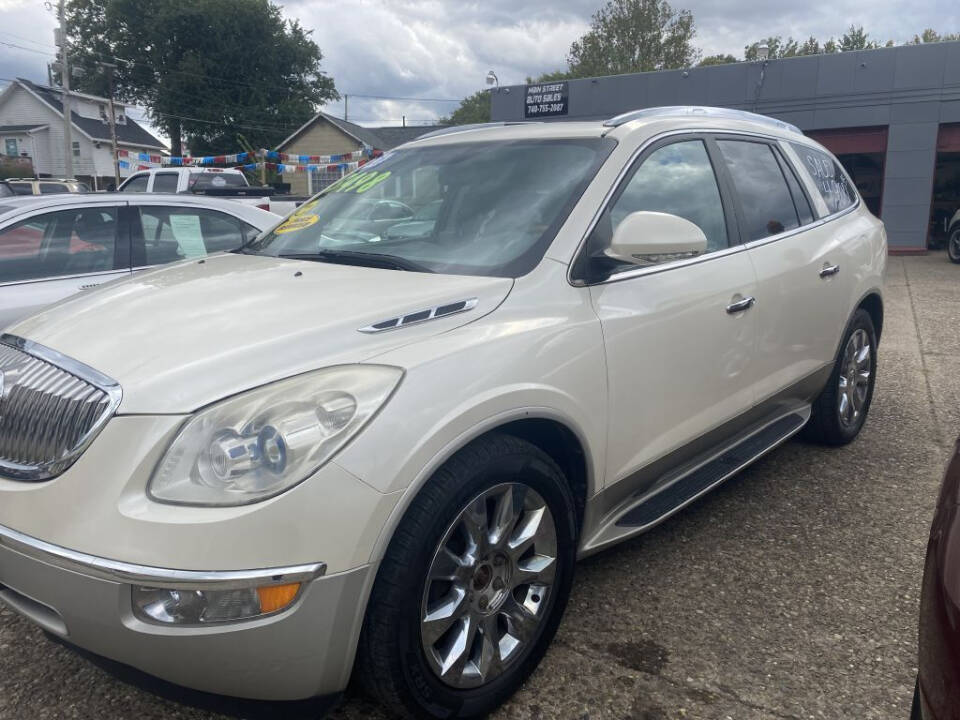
53 188
765 198
22 188
828 176
799 197
168 234
138 183
165 182
69 242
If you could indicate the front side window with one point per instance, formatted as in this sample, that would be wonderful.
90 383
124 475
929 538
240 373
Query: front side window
167 234
478 208
69 242
165 182
765 198
138 183
828 176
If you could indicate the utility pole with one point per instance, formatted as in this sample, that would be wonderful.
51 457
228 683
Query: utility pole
64 44
346 99
110 68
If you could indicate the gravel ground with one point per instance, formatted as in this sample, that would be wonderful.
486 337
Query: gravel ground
790 592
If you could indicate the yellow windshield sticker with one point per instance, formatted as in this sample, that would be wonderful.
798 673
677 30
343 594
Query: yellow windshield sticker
358 182
295 223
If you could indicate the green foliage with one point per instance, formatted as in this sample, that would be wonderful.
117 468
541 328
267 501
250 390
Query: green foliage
856 39
717 60
629 36
472 109
931 36
205 69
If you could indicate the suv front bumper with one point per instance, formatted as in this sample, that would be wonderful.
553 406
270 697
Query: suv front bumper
304 651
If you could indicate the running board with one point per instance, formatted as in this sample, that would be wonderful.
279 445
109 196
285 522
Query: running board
642 513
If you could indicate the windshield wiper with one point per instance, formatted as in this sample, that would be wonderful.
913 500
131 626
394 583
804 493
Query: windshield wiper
352 257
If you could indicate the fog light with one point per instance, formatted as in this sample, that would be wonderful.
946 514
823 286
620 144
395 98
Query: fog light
202 607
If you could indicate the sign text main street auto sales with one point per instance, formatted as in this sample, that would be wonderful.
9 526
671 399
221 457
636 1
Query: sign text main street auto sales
546 100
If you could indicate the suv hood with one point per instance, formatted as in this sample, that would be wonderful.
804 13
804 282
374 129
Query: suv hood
185 335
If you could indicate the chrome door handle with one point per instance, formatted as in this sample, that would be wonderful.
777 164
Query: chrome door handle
740 305
829 270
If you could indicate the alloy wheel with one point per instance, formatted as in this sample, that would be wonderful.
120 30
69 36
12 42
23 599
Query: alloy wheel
854 383
488 587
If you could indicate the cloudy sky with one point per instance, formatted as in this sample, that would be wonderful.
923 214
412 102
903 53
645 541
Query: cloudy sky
442 49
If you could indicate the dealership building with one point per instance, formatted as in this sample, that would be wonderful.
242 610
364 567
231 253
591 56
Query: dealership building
891 115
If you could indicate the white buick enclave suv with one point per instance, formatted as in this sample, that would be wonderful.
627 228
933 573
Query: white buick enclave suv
380 435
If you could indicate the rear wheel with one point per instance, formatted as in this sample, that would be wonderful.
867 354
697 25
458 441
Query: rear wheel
840 411
953 246
473 585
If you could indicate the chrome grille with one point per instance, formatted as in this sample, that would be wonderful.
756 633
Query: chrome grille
51 408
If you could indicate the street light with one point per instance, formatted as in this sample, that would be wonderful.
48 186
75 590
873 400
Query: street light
763 52
492 78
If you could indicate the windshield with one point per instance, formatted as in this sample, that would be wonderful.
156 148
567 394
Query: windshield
473 208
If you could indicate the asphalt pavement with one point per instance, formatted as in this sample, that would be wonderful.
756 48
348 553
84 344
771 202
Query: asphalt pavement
789 592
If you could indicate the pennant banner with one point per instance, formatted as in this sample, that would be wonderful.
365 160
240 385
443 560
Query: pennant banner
273 156
282 168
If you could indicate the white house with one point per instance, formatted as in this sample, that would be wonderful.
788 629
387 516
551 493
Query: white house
31 124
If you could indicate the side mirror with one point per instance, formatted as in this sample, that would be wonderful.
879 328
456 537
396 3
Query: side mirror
648 238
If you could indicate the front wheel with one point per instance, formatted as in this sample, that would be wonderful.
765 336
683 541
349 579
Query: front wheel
839 413
473 584
953 246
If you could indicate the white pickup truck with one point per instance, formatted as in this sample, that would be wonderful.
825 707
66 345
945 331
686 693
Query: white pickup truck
220 182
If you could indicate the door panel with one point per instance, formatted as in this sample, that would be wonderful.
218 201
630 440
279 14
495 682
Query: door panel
678 364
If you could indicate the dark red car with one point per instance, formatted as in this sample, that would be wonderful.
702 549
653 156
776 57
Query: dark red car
938 681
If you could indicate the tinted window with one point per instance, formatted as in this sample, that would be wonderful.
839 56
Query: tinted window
764 196
800 201
165 182
22 188
676 179
168 234
69 242
207 180
138 183
5 190
828 176
499 205
52 188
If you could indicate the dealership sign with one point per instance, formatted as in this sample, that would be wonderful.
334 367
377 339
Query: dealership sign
546 100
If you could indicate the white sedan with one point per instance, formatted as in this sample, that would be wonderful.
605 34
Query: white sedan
54 246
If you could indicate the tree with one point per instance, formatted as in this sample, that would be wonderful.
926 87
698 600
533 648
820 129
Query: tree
931 36
810 46
206 70
856 39
629 36
776 48
472 109
717 60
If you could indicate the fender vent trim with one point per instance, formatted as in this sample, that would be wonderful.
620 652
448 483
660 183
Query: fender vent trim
420 316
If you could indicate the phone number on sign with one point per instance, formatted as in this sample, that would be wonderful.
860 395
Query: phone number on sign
553 107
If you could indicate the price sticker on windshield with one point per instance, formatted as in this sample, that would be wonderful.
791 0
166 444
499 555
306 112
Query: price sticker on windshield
358 182
295 223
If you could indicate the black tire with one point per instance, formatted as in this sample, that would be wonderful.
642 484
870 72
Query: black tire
953 245
825 425
391 663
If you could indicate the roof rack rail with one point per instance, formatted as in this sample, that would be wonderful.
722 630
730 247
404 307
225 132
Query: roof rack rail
476 126
700 111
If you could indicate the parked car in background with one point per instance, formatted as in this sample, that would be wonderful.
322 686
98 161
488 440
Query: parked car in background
52 247
937 696
953 238
46 186
335 450
220 182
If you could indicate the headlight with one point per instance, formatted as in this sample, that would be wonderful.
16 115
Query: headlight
265 441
